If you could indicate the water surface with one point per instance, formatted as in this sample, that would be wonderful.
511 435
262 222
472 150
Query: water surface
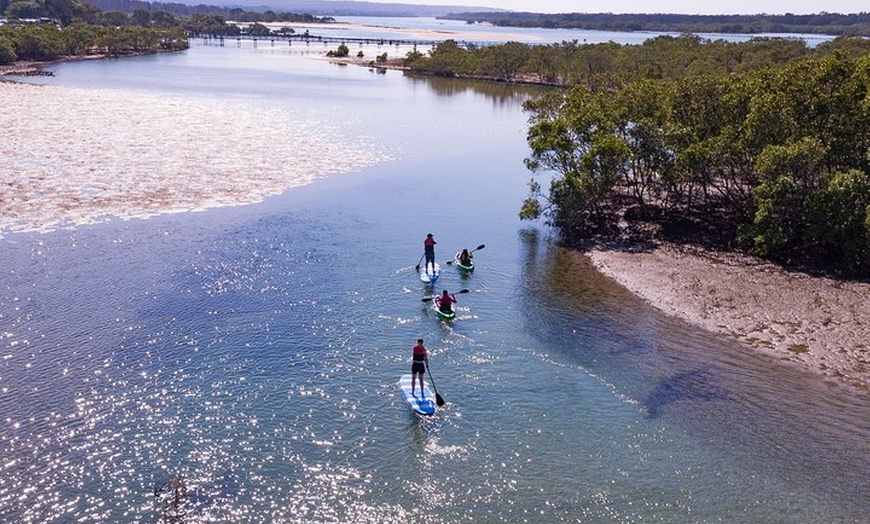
254 350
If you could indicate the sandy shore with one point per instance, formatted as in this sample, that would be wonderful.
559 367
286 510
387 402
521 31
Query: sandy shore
21 68
26 68
819 323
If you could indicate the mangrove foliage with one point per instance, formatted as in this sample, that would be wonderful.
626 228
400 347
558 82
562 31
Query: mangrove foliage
817 23
761 146
774 161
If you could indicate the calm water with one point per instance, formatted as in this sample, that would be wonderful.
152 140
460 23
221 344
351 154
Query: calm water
488 34
255 350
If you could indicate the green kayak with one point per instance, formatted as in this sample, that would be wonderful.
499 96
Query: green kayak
463 267
444 315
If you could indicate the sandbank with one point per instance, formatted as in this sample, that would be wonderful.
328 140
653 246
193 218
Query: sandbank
419 33
819 323
75 156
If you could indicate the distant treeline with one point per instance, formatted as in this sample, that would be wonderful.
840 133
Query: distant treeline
68 28
44 30
760 146
41 43
235 14
67 11
821 23
609 65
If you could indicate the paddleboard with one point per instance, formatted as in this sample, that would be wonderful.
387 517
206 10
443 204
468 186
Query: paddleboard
421 404
426 275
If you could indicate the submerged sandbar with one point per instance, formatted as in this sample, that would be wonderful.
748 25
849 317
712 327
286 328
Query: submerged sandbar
74 156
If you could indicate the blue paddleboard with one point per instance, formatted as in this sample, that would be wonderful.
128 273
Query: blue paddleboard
422 404
426 275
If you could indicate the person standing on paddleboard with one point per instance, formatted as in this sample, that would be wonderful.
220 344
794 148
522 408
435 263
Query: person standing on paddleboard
429 251
419 362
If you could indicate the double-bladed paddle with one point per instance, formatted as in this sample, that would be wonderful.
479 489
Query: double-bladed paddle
478 248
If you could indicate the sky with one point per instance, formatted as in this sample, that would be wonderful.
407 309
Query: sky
662 6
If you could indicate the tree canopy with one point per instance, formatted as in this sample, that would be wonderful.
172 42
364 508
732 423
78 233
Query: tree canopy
761 145
774 161
818 23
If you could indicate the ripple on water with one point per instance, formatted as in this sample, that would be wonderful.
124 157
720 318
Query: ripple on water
72 156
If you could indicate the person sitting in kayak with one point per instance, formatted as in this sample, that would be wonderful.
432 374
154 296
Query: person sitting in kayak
445 302
465 258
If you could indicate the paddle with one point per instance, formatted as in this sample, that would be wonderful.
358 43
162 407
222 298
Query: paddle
478 248
438 400
417 267
431 297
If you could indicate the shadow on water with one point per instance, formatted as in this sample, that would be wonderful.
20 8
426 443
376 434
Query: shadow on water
500 94
566 299
770 418
695 386
180 500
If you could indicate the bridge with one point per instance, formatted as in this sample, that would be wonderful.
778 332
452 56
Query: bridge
307 39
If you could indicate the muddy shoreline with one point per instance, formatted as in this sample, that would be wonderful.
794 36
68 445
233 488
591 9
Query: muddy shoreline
23 68
821 324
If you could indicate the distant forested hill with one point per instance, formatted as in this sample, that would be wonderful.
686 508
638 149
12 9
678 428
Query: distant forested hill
179 9
341 7
821 23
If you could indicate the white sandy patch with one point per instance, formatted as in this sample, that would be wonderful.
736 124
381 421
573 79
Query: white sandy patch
71 156
420 34
820 323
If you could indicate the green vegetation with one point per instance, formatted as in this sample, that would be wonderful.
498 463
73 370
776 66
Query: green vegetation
610 64
68 28
762 146
341 51
62 11
188 11
774 161
43 30
821 23
41 43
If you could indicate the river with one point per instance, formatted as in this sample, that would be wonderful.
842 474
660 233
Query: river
254 349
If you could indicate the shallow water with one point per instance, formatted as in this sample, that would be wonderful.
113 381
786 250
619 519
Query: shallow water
255 350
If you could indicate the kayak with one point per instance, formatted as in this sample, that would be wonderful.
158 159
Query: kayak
426 275
463 267
422 403
444 315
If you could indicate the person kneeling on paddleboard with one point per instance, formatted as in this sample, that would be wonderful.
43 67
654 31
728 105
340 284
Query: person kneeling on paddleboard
420 360
445 301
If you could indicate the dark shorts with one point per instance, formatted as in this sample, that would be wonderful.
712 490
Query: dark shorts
430 257
418 367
